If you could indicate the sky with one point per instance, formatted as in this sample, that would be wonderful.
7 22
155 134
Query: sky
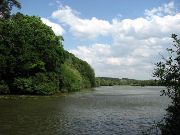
118 38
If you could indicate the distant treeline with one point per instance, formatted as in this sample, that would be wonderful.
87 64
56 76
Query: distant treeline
107 81
33 60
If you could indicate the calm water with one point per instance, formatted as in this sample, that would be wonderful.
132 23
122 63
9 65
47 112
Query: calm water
111 110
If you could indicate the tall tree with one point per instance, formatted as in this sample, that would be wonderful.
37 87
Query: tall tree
168 71
30 56
6 7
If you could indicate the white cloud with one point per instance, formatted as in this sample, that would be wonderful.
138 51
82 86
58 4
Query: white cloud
84 28
122 61
136 46
58 30
161 10
136 43
107 60
96 52
143 28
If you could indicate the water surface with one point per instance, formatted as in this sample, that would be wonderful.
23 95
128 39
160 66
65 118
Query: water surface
110 110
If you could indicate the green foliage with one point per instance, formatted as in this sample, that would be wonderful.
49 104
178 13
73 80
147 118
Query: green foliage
37 50
31 56
168 71
42 84
4 89
36 66
107 81
6 7
84 69
86 83
72 78
23 85
46 83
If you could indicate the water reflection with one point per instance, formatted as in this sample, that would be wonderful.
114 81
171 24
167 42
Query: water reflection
107 110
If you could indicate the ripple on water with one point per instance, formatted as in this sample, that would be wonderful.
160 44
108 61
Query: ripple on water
105 111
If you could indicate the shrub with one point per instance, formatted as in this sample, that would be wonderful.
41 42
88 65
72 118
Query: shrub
168 72
45 84
72 78
23 85
4 89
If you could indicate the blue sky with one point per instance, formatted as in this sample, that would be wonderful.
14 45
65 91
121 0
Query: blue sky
118 38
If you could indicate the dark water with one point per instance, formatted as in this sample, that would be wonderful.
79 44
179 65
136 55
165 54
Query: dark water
112 110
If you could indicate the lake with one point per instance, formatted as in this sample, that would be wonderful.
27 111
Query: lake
110 110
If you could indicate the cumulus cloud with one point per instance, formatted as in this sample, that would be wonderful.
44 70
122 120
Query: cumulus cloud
58 30
84 28
136 43
96 52
107 60
165 9
107 64
142 28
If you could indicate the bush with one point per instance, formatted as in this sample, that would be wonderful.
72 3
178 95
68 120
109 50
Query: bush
41 84
87 73
4 89
23 85
45 84
72 78
86 83
45 88
168 72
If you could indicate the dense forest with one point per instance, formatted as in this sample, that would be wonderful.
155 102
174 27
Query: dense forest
33 60
107 81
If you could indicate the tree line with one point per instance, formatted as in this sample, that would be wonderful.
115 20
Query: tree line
33 60
108 81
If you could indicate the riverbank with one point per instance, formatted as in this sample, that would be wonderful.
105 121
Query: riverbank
109 81
58 94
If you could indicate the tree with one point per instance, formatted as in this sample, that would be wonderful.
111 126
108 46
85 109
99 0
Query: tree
33 60
168 72
30 55
84 69
71 77
6 7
